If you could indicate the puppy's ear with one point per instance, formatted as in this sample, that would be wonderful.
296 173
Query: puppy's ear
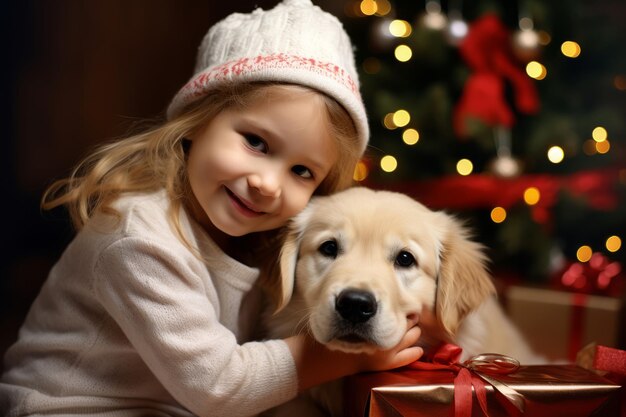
287 263
289 255
463 282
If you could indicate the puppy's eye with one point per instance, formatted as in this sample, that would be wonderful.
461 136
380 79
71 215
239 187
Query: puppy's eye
405 259
329 249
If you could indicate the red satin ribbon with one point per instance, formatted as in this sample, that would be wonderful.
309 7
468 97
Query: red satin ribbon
446 358
577 324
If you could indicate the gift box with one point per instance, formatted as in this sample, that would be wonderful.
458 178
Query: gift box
533 391
558 324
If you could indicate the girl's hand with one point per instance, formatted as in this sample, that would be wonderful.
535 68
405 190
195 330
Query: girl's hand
317 364
402 354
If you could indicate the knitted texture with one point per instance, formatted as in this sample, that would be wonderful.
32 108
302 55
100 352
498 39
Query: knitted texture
131 323
295 42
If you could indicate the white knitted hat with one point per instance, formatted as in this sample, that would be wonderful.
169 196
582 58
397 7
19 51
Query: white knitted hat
295 42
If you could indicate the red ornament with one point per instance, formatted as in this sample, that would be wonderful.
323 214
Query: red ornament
487 51
599 276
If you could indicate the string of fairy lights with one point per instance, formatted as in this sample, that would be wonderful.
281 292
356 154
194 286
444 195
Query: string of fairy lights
527 41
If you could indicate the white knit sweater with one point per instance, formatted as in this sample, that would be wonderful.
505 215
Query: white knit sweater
131 323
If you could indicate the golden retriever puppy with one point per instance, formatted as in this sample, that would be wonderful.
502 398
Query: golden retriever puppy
356 264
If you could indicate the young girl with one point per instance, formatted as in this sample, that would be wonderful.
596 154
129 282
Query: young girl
153 308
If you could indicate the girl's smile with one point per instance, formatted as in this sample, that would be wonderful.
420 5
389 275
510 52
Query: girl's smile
246 208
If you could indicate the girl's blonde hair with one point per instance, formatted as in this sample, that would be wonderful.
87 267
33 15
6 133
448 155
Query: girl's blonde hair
155 159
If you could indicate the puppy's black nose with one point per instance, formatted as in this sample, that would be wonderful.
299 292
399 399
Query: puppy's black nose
356 306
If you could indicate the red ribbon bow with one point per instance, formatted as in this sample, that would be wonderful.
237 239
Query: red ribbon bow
475 374
487 51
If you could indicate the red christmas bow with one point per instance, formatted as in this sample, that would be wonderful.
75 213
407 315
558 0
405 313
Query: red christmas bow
487 51
475 373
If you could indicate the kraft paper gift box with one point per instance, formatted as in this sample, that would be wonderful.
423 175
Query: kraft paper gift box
558 324
533 391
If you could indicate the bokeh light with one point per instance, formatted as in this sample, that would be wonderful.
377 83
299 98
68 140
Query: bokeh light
388 163
599 134
613 243
401 118
603 147
388 121
570 49
532 196
464 167
434 19
556 154
383 7
403 53
498 214
410 136
458 29
527 38
535 70
368 7
400 28
583 254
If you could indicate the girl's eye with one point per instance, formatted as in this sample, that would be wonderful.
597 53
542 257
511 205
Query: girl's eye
405 259
302 171
256 143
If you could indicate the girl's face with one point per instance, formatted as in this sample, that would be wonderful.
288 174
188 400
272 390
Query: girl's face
252 169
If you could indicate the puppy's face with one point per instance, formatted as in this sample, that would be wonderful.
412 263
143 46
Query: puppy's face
363 261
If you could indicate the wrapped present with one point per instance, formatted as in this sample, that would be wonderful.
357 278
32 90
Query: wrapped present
488 385
558 323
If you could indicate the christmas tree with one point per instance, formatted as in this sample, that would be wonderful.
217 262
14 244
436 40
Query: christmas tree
510 115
